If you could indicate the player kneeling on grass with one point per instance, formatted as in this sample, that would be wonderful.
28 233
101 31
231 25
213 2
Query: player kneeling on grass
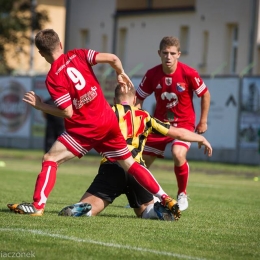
112 181
79 99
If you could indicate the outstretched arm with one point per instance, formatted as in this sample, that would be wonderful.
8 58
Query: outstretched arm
186 135
205 104
116 64
35 101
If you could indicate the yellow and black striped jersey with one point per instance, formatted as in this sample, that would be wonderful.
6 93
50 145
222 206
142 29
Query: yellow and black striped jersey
136 124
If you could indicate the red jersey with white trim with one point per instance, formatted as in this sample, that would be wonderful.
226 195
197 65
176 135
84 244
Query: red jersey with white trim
71 80
173 93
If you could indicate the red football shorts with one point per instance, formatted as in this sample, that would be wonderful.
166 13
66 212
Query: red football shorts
111 145
156 144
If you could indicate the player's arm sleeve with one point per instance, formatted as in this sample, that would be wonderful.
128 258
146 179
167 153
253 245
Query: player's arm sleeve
144 89
59 94
197 83
159 127
89 55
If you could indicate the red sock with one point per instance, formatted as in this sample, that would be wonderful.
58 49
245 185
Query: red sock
182 175
144 177
44 184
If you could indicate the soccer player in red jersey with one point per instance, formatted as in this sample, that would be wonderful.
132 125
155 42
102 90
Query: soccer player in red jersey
112 181
90 122
173 84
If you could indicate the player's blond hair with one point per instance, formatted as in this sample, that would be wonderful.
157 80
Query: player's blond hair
168 41
47 40
121 94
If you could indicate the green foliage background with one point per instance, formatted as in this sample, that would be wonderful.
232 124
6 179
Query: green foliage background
17 19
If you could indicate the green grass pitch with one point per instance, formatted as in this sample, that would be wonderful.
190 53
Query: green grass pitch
222 221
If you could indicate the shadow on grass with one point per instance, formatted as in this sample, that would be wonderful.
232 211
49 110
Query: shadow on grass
6 210
116 216
54 212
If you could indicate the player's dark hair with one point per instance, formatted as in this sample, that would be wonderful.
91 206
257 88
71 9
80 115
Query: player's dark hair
170 41
47 40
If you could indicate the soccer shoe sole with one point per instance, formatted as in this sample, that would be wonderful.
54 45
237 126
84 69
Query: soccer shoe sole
174 208
68 211
39 213
14 208
163 212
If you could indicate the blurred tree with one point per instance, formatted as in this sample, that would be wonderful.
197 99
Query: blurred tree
18 18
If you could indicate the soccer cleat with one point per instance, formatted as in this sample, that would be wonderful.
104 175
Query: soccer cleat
76 210
25 208
12 207
183 201
162 212
172 205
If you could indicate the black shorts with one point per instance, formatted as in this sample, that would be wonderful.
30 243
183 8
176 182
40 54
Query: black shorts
112 181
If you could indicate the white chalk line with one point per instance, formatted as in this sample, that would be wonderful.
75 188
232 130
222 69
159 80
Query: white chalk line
75 239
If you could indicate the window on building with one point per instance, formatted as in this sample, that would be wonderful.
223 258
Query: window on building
85 38
104 48
204 52
122 40
184 39
104 43
205 47
233 47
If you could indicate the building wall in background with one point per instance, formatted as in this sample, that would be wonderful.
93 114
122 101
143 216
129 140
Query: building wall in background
144 28
206 28
211 32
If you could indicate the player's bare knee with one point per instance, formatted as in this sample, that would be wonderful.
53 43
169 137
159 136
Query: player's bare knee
48 157
179 158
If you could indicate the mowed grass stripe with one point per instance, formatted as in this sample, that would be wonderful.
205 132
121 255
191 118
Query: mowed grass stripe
221 222
75 239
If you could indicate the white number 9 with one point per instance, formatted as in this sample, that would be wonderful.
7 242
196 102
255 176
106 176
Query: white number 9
76 77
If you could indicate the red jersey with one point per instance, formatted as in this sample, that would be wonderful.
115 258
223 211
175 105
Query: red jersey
173 93
71 80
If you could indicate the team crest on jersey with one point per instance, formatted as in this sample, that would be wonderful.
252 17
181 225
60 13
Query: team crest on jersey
181 86
168 81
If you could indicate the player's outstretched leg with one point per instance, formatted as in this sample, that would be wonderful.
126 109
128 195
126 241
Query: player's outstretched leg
146 179
43 186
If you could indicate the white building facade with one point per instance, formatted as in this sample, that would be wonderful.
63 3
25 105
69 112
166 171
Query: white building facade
217 37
